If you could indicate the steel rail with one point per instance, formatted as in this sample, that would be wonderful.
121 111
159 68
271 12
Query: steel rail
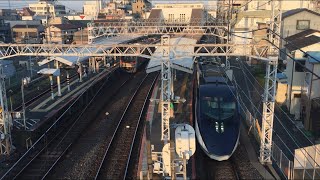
117 128
235 172
57 160
84 109
138 124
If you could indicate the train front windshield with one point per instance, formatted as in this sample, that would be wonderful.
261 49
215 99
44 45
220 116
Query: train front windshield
217 108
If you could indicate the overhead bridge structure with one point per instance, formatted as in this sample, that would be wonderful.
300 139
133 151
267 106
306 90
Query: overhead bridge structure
12 50
110 29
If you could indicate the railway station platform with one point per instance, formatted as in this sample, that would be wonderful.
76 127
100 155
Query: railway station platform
183 113
42 112
183 84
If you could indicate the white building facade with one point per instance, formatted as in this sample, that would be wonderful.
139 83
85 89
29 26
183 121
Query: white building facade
48 8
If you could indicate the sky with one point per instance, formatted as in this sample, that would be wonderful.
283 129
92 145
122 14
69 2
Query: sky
70 4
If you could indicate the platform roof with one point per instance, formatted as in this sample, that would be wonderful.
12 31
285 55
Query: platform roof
72 60
49 71
178 60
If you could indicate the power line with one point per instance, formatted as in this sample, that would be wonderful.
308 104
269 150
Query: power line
270 125
290 135
284 53
273 129
294 46
302 65
276 103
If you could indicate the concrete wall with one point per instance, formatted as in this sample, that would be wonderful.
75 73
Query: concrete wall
313 91
281 93
313 47
91 9
295 81
286 4
177 11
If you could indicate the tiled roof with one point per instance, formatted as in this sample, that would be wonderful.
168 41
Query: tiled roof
65 26
315 55
155 14
25 26
302 34
295 11
196 15
302 42
27 12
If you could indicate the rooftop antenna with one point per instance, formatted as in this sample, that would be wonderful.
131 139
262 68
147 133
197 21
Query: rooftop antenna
9 2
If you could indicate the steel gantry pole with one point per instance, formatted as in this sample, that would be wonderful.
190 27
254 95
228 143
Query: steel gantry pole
5 121
165 89
270 83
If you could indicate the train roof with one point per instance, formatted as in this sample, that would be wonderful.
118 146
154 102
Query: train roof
211 73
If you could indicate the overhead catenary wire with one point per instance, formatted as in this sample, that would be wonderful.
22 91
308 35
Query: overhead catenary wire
269 124
273 129
295 46
292 121
284 53
296 61
290 135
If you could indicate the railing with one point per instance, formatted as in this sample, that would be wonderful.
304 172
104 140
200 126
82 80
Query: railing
282 161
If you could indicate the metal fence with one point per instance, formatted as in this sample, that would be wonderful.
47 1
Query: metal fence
282 161
279 158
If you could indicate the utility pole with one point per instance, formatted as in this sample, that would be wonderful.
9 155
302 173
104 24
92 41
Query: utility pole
28 42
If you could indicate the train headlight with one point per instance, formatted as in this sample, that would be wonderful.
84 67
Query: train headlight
217 127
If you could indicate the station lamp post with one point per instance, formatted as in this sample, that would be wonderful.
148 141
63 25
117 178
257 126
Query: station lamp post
24 82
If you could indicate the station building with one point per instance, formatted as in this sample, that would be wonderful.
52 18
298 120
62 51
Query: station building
181 13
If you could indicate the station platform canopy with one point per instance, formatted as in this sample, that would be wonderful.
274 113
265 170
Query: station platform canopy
49 71
72 60
179 60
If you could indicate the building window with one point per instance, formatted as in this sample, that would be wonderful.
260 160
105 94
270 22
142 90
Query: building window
182 17
299 66
303 24
171 17
297 95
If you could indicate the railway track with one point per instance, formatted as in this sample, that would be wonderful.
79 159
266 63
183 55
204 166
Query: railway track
116 159
44 159
37 96
225 170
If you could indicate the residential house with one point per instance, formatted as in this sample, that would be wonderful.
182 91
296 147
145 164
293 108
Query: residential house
180 13
297 20
60 33
48 7
27 34
9 14
81 36
310 105
141 7
248 17
299 44
28 15
93 8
